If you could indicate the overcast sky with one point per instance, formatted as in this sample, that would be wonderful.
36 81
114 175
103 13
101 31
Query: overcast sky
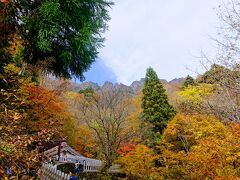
167 35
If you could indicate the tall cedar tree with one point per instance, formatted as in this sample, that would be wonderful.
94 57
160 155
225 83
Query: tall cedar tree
62 35
188 81
156 108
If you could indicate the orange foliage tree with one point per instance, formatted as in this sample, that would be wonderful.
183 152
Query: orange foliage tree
126 148
85 141
45 106
30 116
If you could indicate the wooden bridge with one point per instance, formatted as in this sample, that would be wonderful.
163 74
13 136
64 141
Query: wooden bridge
63 153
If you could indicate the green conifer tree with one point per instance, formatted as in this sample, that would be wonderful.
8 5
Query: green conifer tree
156 108
62 36
189 81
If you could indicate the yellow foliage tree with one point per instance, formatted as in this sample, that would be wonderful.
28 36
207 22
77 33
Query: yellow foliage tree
192 98
199 147
133 121
107 120
139 163
196 93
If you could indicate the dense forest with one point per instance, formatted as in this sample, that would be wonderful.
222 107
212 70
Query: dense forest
184 129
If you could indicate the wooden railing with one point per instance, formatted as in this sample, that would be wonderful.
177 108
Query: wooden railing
89 165
49 172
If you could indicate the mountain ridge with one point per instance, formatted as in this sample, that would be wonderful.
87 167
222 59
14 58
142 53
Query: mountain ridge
134 87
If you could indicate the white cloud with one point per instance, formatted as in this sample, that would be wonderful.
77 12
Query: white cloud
163 34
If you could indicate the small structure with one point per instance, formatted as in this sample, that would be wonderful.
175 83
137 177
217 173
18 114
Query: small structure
62 153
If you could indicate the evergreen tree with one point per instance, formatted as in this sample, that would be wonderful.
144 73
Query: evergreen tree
156 108
188 81
62 35
88 90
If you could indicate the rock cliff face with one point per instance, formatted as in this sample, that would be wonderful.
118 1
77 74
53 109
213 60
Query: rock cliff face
179 81
137 85
77 87
134 88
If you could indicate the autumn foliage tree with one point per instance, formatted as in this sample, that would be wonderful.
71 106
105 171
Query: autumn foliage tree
225 100
223 69
64 37
194 99
216 93
139 163
106 114
30 117
85 142
198 147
